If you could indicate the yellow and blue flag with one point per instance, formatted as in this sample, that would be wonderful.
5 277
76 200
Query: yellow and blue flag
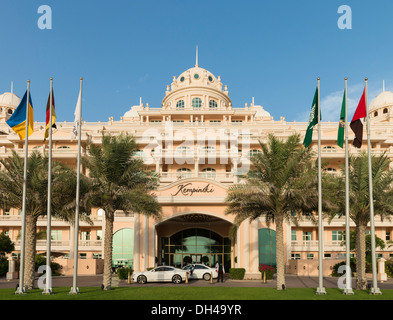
17 121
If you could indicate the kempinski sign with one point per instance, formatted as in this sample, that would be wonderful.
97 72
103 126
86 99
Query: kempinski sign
188 189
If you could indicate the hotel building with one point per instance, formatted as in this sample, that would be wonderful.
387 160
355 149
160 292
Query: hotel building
199 143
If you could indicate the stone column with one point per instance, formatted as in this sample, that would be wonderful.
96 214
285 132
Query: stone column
255 248
246 244
145 242
382 276
12 273
238 248
196 167
153 245
136 265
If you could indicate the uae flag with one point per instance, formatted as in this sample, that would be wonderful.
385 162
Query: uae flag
48 122
356 123
341 125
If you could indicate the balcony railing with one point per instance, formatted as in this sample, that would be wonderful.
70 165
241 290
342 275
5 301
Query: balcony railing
65 244
312 245
218 176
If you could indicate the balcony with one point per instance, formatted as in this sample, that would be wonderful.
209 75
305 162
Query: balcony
225 177
60 153
148 156
65 245
312 245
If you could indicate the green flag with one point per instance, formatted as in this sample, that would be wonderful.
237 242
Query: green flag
341 125
313 120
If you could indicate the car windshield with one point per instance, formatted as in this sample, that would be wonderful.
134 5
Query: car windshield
187 267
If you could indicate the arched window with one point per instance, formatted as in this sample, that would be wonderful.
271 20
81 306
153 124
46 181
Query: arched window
196 103
123 247
184 150
180 105
183 173
385 110
254 152
209 149
139 153
208 173
196 245
212 104
376 114
331 170
329 149
267 247
10 111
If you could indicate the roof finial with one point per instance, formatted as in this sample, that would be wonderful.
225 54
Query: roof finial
196 60
383 88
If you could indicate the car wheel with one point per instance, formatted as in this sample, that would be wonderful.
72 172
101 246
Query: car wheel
141 279
206 276
176 279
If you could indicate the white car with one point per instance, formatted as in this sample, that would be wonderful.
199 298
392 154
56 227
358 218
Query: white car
160 274
200 271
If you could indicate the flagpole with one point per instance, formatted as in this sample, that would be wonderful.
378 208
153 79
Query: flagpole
348 282
321 289
74 289
21 289
374 289
48 287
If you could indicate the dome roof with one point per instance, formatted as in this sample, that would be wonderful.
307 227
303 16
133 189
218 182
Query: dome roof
196 70
261 113
382 100
196 75
133 112
9 99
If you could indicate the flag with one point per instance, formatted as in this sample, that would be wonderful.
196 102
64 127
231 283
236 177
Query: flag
356 123
17 121
77 116
312 121
341 125
48 115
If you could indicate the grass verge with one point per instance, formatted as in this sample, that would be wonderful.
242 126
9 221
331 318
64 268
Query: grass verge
193 293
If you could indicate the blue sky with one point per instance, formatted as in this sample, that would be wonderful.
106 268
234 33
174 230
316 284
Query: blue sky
271 50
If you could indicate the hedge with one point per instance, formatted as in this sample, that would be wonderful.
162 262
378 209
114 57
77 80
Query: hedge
122 273
237 273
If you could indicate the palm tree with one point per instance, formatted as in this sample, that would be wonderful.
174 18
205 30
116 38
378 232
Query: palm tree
282 180
11 186
118 181
359 204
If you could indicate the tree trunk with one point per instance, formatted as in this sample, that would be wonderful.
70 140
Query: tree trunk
361 282
280 253
108 241
30 251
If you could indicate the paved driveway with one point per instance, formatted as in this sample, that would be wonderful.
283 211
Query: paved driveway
292 281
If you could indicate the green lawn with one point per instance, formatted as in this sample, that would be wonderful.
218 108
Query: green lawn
193 293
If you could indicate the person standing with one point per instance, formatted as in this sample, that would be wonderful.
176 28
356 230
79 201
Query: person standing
220 273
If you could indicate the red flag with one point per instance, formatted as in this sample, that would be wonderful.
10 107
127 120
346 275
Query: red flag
356 124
